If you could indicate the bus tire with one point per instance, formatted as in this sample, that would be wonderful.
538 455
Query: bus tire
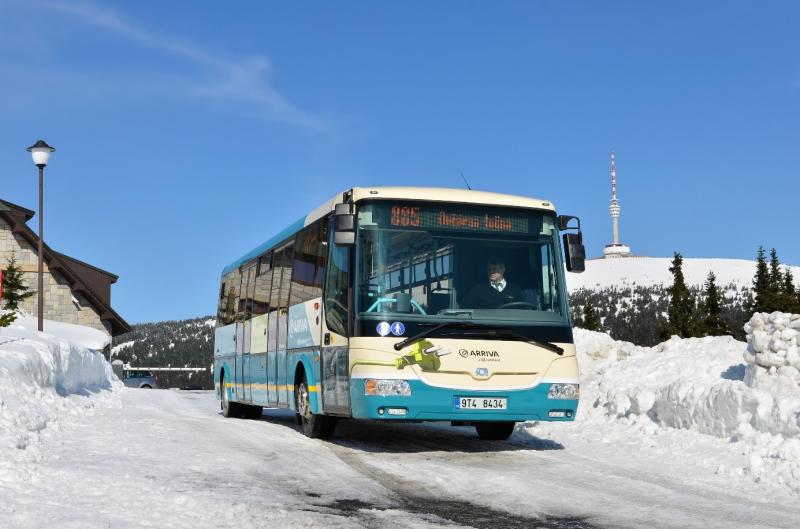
314 426
229 409
495 431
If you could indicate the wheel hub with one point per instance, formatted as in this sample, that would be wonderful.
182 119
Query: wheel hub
303 406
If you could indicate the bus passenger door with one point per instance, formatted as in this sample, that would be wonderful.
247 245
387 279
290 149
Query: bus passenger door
248 284
272 348
238 379
279 300
239 382
285 259
335 358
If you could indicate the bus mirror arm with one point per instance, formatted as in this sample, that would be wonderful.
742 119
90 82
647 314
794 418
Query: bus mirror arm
574 250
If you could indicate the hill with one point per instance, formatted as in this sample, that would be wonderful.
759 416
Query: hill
631 298
654 271
175 343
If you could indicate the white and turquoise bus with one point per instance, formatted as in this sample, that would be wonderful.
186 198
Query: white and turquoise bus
404 304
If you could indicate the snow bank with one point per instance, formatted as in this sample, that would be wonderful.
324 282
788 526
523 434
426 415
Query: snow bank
43 377
748 393
773 348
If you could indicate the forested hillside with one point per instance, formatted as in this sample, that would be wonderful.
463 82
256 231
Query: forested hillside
181 343
637 313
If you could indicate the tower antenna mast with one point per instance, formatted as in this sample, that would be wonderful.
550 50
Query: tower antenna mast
616 248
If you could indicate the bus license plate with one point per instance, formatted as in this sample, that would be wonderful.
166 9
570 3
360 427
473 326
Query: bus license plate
480 403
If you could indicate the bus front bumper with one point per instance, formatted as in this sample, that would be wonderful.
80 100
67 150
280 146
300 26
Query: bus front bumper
428 403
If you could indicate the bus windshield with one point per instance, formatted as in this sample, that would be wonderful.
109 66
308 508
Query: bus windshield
430 262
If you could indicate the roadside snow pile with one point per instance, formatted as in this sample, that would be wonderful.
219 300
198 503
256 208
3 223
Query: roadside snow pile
703 385
43 377
773 349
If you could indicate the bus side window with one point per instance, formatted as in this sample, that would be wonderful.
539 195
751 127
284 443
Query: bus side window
226 312
248 289
309 264
336 285
283 297
263 284
221 303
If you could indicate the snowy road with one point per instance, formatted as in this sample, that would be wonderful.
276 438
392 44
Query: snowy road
168 459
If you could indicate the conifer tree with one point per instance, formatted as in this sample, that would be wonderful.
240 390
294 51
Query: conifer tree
789 302
680 313
591 320
797 300
775 281
14 291
712 323
761 284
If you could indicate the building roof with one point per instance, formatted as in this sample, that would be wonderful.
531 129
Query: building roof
92 282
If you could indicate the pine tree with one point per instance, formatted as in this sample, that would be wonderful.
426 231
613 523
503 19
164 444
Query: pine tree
775 281
591 321
797 300
680 313
712 323
789 302
14 291
761 284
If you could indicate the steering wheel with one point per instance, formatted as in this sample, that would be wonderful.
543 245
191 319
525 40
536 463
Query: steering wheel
520 304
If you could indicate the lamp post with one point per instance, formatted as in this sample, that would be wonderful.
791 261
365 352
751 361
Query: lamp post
40 151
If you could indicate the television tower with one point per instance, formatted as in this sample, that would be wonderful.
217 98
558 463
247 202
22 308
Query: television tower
616 248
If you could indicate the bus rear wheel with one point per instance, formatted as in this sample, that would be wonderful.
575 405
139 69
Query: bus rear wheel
229 409
494 431
314 426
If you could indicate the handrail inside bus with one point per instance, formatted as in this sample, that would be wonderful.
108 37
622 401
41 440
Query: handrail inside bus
378 301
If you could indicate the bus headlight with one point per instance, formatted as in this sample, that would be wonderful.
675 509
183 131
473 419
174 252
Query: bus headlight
382 387
564 391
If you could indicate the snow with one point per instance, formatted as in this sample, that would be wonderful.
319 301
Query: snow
745 393
115 350
42 379
691 433
649 271
77 334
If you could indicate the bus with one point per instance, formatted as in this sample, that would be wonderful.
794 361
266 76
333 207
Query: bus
405 304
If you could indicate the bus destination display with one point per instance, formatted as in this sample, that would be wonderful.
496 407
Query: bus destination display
438 218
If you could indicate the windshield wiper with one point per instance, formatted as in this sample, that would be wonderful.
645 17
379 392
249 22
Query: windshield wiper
497 332
511 333
419 336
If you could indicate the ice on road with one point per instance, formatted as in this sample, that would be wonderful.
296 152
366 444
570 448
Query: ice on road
167 459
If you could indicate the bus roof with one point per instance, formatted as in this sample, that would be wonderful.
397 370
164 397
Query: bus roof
434 194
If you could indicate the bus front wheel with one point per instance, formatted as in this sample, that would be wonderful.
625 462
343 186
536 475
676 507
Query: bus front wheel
314 426
494 431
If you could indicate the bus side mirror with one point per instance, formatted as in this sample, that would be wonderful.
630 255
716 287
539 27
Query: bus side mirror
344 224
574 252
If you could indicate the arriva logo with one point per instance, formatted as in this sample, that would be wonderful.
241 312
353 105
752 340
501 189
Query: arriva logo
478 353
297 326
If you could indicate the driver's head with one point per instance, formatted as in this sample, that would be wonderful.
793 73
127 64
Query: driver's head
496 270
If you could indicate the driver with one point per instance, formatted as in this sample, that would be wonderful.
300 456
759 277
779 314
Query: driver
495 292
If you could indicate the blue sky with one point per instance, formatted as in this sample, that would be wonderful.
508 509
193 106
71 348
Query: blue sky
187 133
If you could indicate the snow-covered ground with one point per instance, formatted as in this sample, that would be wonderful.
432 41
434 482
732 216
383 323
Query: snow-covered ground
649 271
691 433
44 381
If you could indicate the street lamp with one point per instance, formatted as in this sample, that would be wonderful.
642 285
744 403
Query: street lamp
40 151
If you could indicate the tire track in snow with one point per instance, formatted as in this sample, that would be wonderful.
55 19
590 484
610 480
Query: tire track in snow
426 499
